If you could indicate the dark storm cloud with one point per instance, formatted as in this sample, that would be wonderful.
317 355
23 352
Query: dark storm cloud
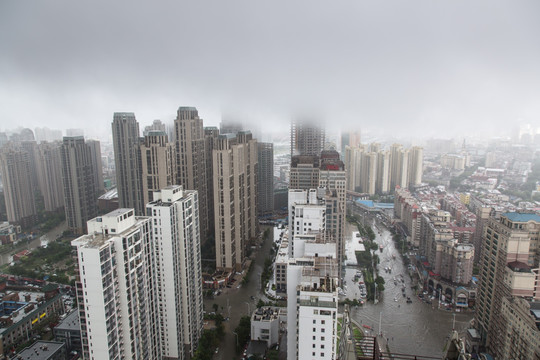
416 66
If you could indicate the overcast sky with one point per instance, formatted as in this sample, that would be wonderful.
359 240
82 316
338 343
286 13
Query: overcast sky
436 68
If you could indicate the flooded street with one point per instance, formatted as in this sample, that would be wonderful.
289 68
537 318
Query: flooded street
416 328
236 302
52 235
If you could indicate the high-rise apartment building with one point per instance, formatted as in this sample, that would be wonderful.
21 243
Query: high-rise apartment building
116 288
383 172
351 139
509 271
235 168
18 187
353 164
312 305
368 173
127 160
80 189
265 152
177 250
190 160
333 180
50 175
306 138
304 172
95 155
211 134
157 163
416 162
399 162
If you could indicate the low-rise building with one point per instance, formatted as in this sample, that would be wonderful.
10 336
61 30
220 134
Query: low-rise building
43 350
68 331
265 324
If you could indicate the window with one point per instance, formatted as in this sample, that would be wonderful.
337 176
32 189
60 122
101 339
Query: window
314 321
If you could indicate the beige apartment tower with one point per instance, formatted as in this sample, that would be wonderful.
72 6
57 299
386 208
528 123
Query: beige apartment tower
157 161
235 168
190 160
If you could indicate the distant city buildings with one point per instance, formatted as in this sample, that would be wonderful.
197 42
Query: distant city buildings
307 138
19 192
372 170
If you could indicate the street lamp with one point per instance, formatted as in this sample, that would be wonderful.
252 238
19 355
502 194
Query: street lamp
236 335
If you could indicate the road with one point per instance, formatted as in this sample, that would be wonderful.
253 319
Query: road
237 302
416 328
52 235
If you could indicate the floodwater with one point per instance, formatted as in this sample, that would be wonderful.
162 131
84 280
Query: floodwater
236 301
52 235
416 328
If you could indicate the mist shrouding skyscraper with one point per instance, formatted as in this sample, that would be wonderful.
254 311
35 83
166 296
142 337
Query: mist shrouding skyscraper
125 130
190 159
18 189
80 189
266 177
307 138
235 168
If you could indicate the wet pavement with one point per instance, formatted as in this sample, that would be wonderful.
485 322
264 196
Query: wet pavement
238 301
51 235
416 328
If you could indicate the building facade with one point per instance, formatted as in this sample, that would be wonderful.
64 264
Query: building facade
18 190
177 246
157 163
127 160
235 168
80 189
265 153
191 161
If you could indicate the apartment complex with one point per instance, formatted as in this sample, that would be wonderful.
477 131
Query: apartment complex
139 286
79 165
235 169
372 170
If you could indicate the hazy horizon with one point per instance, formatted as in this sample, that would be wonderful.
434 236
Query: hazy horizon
416 69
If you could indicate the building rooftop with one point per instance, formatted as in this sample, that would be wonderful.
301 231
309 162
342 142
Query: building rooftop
41 350
522 217
111 194
70 323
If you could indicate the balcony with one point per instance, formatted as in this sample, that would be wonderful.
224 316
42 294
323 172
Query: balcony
325 304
